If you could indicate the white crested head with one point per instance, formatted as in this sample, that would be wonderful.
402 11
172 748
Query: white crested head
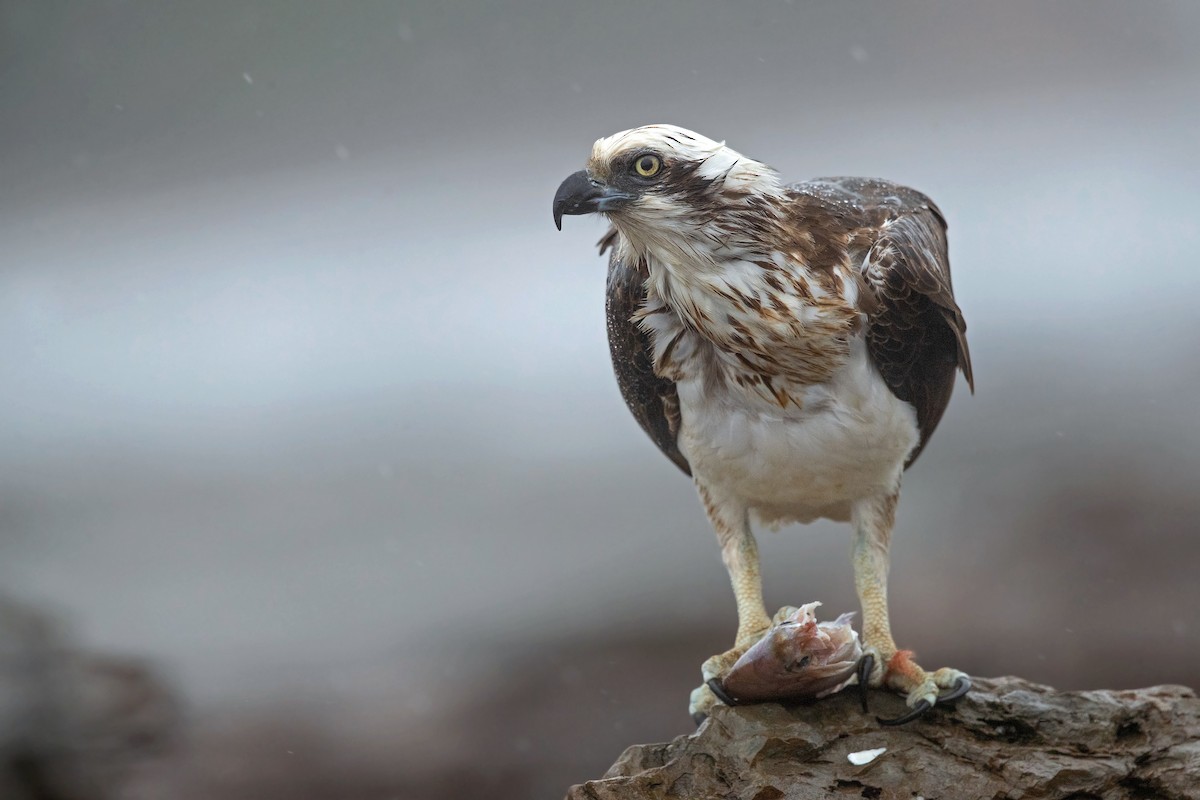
689 152
672 191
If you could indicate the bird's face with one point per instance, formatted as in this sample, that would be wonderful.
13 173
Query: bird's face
661 180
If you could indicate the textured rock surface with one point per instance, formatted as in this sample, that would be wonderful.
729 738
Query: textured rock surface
1007 739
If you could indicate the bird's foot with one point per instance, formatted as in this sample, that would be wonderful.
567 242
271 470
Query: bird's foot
922 690
711 693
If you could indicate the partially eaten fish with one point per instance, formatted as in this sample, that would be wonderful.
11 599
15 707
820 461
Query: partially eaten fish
797 659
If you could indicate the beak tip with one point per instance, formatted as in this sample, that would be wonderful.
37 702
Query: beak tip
575 195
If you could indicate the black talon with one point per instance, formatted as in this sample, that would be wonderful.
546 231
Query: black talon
699 718
865 665
718 689
960 688
918 710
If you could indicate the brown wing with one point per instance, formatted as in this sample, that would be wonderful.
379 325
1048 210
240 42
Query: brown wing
653 400
916 333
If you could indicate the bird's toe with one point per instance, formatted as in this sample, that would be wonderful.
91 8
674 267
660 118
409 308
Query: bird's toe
701 703
952 683
872 667
717 687
923 690
714 670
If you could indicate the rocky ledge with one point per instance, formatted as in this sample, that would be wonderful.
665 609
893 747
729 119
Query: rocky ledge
1007 739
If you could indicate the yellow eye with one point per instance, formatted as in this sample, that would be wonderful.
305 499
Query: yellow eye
647 166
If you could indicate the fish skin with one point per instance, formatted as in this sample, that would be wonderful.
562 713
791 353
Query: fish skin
798 658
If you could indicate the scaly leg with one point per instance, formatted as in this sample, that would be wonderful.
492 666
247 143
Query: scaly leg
739 551
883 664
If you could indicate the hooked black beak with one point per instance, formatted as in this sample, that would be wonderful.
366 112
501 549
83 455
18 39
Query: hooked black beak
581 194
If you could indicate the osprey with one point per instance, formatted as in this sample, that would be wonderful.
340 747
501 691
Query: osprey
790 347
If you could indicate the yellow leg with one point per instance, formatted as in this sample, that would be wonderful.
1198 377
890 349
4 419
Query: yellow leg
739 551
894 669
873 520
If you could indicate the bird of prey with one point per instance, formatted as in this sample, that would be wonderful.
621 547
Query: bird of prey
790 347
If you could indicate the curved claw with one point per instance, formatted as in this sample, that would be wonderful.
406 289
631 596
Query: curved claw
699 718
718 689
920 709
865 665
960 688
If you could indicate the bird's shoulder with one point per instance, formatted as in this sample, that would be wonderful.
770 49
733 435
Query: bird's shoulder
864 199
858 210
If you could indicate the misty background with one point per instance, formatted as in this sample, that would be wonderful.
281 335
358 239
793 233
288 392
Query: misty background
308 407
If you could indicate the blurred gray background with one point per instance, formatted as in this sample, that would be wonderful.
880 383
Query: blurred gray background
306 403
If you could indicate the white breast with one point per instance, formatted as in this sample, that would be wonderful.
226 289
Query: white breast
847 440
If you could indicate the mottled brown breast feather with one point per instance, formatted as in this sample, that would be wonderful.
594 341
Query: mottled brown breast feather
916 333
653 400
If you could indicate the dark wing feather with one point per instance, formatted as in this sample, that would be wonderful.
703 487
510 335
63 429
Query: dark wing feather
653 400
916 333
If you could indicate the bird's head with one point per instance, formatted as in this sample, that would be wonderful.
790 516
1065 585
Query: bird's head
661 182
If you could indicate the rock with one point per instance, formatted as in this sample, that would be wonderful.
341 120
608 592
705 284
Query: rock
1007 739
72 723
